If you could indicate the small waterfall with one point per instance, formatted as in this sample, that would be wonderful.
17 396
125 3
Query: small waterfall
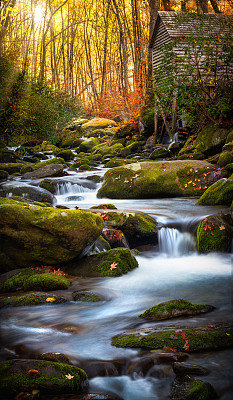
175 243
69 188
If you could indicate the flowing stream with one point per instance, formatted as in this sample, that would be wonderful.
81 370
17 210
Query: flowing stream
171 270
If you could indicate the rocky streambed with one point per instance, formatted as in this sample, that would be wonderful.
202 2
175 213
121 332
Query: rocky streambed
129 299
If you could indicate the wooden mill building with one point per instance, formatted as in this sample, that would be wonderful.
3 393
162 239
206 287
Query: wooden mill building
176 29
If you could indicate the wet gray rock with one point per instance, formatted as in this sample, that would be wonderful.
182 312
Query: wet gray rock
23 189
188 368
46 171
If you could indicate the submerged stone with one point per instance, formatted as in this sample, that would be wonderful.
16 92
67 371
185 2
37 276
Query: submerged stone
174 309
33 299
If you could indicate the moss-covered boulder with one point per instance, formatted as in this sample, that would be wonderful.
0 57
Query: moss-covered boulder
67 155
32 235
56 160
139 228
7 156
27 279
49 185
225 158
220 193
160 152
174 309
46 146
215 233
11 168
47 170
55 357
87 296
32 299
188 340
115 262
209 141
187 388
23 189
158 179
98 123
46 376
87 145
108 149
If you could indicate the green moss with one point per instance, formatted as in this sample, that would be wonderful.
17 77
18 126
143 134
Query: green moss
48 236
31 300
41 164
29 280
219 193
225 158
168 306
85 167
56 357
48 185
123 260
199 390
52 377
11 168
215 233
195 340
156 180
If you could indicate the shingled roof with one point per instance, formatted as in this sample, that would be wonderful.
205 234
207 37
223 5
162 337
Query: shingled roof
189 24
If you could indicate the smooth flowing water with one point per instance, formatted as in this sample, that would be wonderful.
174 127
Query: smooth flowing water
171 270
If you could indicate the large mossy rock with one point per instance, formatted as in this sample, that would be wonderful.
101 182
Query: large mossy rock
33 235
215 233
98 123
209 141
157 180
174 309
27 279
139 228
115 262
220 193
46 376
189 340
87 145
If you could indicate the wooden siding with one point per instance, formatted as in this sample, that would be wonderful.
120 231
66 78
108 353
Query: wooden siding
162 38
167 30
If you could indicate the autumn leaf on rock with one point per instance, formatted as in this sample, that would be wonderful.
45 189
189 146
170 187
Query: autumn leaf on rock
113 266
222 227
68 376
50 299
186 345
